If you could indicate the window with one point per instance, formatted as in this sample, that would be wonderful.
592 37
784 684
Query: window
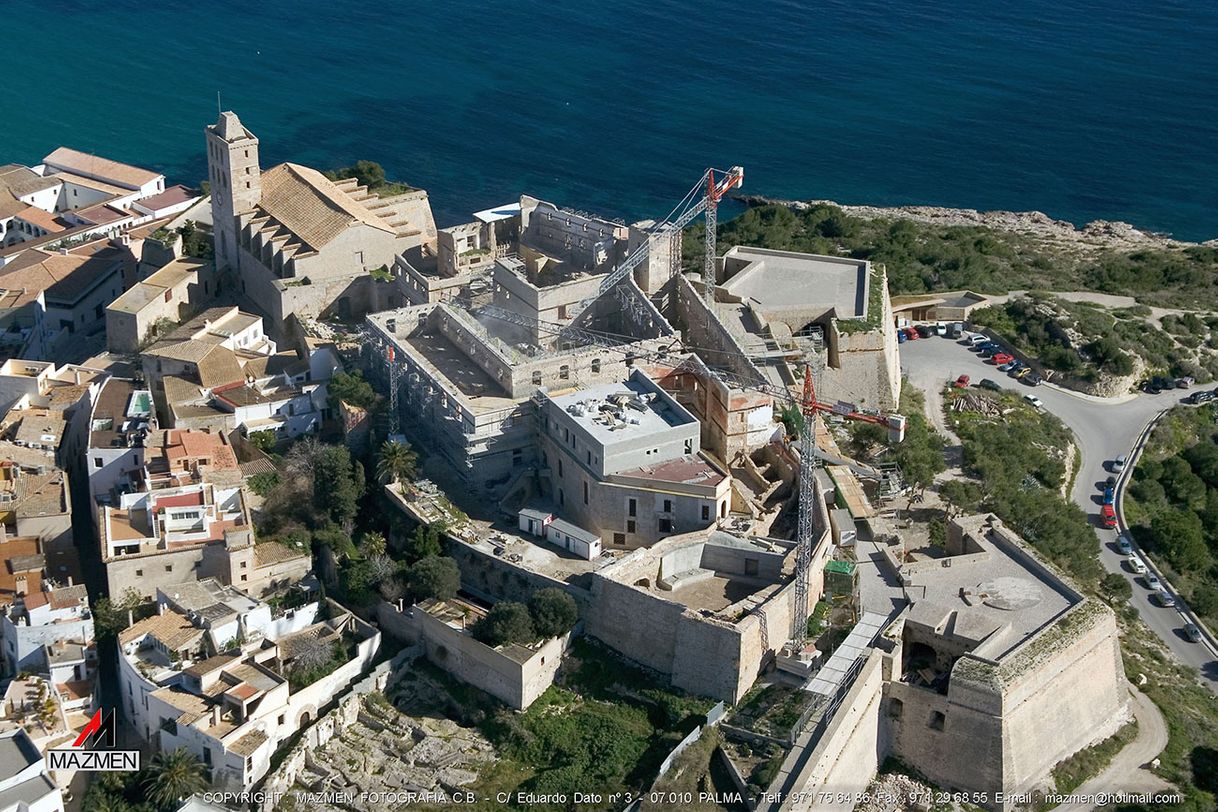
560 466
750 566
244 564
619 538
706 513
632 508
937 720
282 718
562 497
589 453
630 526
537 378
169 295
596 365
245 577
895 708
169 568
585 491
665 525
139 573
97 462
668 506
564 372
207 756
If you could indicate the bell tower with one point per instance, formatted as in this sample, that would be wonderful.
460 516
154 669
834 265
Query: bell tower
236 182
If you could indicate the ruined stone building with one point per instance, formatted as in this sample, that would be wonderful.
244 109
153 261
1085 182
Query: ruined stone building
300 243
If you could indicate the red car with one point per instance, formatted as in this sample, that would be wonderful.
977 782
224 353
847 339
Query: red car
911 334
1108 517
961 382
1002 358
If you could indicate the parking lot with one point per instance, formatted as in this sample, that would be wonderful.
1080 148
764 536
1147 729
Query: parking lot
1104 428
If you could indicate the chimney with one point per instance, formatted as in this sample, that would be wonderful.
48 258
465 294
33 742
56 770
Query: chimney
63 251
21 585
130 618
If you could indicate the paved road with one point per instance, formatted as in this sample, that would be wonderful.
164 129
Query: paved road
1105 430
1124 773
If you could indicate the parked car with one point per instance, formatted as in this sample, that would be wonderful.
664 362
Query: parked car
1152 581
1124 546
955 329
912 333
1200 396
1110 481
1023 372
941 329
1164 598
961 382
1109 494
925 331
1033 379
1007 367
989 345
1192 633
986 383
1183 383
901 337
1035 401
1108 517
1118 465
977 339
1001 358
1137 565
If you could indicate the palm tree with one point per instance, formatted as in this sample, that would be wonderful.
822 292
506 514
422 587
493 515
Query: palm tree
397 462
173 777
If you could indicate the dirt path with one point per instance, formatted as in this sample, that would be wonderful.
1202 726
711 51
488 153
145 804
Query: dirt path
1125 772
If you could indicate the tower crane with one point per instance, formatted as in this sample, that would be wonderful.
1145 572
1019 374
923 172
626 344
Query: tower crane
704 196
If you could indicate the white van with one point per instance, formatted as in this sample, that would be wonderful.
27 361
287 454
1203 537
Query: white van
1137 565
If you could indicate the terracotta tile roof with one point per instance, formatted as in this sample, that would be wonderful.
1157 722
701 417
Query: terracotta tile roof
67 596
96 166
42 218
310 206
173 629
210 664
248 744
272 552
219 367
170 197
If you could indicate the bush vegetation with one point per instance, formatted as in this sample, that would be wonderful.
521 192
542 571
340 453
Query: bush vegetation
372 175
1017 462
1172 503
922 257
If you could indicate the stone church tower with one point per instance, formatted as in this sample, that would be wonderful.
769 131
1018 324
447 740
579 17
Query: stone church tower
236 182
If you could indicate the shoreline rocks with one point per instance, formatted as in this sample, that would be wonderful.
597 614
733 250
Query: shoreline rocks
1093 237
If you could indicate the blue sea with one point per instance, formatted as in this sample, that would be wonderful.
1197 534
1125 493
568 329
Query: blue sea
1079 108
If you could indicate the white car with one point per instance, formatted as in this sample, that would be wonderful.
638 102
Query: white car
1035 401
1137 565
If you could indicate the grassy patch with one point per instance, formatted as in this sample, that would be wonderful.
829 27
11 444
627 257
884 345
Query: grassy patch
1089 762
606 728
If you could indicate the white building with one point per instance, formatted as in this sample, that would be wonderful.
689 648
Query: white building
50 633
234 706
25 785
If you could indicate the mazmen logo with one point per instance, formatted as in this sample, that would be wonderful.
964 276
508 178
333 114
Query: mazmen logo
82 755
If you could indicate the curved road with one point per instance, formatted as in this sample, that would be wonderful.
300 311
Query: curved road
1104 429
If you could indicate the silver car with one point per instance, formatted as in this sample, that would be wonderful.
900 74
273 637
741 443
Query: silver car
1152 581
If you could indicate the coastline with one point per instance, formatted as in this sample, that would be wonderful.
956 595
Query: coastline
1092 238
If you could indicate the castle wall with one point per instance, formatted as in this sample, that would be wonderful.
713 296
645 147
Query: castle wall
849 752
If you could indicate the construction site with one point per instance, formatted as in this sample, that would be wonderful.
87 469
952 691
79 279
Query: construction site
662 443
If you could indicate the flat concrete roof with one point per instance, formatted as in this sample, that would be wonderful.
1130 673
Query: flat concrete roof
791 280
504 212
614 412
1001 597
